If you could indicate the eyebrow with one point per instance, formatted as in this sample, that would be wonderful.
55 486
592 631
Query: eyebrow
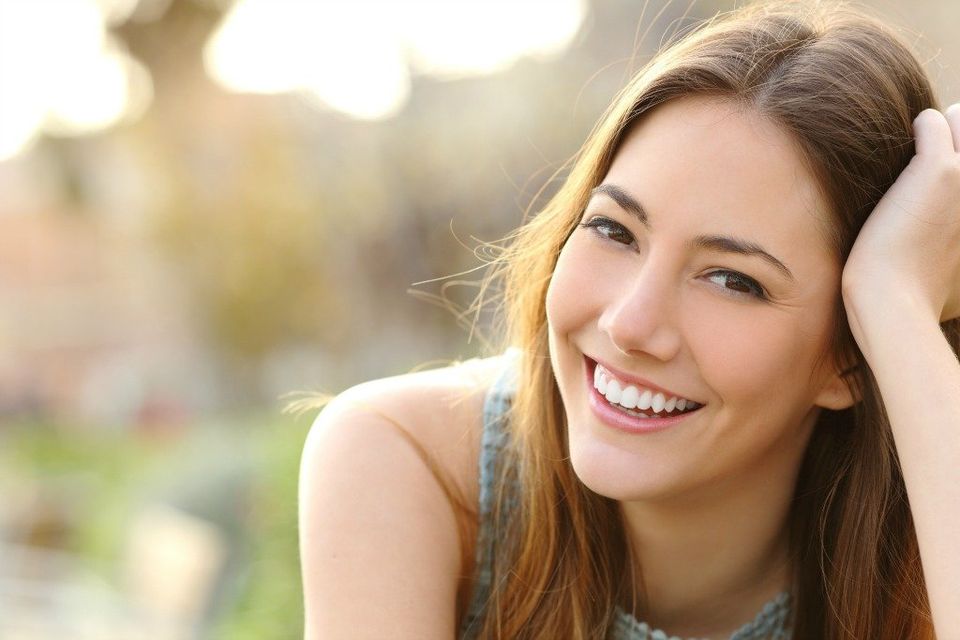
724 244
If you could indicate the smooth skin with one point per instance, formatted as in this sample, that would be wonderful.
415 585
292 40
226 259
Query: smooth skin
706 502
379 549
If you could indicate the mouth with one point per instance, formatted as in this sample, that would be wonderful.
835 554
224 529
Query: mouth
633 420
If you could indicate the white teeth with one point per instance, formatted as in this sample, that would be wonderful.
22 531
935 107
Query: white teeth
613 391
629 397
658 402
644 402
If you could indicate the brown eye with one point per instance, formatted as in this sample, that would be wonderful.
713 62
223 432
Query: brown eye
609 229
741 284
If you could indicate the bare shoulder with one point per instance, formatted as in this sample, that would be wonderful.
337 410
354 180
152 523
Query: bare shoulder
380 550
440 408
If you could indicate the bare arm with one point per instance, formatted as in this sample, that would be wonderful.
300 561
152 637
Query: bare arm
919 379
901 279
379 548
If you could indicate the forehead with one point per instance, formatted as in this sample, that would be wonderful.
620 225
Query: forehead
720 167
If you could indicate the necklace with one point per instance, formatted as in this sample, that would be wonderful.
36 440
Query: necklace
769 624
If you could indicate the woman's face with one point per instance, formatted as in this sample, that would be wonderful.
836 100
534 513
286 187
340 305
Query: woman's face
667 305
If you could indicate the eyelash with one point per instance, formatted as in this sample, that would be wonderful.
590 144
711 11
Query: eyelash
600 222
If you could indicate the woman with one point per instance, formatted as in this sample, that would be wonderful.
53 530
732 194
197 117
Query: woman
731 405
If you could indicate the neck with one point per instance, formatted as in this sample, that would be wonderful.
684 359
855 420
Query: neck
709 562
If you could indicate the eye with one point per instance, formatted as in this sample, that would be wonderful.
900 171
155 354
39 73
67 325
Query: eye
742 285
609 229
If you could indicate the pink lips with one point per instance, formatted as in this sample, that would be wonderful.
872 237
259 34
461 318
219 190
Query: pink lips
621 420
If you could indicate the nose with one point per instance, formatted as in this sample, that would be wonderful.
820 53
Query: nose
640 316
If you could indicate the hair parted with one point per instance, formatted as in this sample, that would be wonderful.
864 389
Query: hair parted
846 88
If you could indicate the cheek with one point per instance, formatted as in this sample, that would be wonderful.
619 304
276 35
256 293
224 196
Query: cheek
574 276
753 359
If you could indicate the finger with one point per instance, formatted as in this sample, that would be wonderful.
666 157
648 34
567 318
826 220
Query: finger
932 133
952 114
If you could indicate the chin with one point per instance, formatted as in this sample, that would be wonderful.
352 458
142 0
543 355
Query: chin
621 475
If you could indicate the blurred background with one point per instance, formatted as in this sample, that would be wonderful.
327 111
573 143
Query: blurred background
208 205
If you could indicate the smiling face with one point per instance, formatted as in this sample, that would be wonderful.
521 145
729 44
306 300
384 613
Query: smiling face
666 301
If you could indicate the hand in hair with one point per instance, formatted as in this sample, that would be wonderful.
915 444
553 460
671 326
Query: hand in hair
908 251
902 279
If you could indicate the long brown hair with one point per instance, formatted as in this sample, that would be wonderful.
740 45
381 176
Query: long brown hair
847 89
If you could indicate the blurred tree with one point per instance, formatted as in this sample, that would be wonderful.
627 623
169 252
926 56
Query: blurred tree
253 254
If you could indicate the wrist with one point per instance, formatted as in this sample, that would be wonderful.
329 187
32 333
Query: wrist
879 319
888 300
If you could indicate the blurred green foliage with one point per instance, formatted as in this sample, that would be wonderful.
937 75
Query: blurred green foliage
269 598
91 479
100 479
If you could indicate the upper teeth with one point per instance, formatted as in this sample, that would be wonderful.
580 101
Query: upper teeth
632 397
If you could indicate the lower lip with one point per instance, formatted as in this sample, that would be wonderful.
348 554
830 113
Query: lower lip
624 421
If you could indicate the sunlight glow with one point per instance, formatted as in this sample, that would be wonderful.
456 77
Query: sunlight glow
276 46
469 37
357 57
60 73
